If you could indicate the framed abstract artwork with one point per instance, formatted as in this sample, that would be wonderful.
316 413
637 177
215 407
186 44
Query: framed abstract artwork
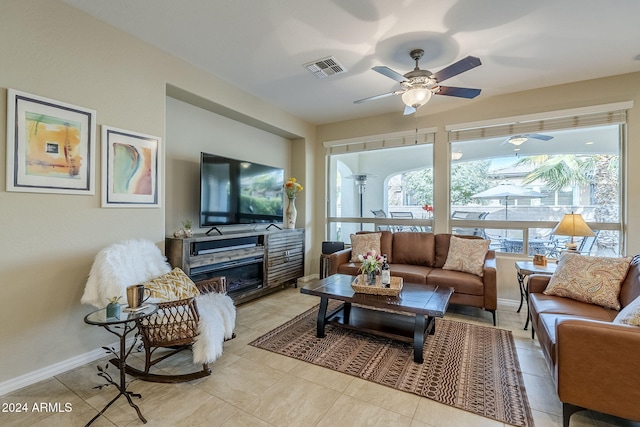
50 145
130 169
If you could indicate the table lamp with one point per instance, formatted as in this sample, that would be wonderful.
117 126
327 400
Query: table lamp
572 225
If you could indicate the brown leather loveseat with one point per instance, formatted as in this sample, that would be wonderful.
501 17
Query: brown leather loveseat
418 257
594 362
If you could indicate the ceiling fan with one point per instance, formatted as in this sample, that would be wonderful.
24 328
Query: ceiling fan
418 86
521 139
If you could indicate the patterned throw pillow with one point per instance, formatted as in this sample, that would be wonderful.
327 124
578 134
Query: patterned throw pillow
630 315
594 280
363 243
467 255
172 286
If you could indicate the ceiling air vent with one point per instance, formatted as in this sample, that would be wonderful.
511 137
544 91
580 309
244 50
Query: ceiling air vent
325 67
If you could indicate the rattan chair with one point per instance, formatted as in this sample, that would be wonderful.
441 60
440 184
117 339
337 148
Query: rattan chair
174 326
214 284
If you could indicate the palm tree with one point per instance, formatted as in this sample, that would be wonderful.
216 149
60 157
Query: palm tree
557 172
600 172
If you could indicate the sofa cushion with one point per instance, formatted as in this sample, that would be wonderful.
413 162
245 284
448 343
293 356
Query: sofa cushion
547 335
546 304
594 280
463 283
410 273
442 249
363 243
413 248
630 315
172 286
386 244
442 242
352 269
467 255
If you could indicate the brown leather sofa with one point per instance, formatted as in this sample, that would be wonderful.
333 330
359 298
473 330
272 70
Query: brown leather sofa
418 257
593 361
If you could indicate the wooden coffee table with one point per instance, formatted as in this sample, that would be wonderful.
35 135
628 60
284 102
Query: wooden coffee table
407 317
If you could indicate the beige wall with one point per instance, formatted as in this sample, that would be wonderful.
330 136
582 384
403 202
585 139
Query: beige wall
191 130
582 94
49 240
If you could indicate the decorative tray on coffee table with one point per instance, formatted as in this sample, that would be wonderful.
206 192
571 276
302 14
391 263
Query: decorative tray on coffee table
359 285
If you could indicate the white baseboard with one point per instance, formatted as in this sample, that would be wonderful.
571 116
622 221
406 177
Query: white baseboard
53 370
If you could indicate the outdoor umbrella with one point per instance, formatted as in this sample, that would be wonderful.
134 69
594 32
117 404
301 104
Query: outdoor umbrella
507 192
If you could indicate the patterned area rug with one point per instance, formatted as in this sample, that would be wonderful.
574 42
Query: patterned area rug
471 367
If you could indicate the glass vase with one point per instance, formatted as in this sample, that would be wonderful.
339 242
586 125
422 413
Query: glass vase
371 278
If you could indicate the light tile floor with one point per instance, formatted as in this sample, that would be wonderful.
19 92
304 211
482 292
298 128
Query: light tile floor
253 387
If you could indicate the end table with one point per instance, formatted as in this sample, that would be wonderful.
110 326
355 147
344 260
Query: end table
523 270
121 326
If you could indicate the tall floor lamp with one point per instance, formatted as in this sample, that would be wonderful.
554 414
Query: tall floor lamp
360 180
361 183
573 225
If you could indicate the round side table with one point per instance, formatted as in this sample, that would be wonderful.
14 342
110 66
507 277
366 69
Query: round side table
120 326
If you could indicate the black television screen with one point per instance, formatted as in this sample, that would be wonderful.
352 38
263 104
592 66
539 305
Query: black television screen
239 192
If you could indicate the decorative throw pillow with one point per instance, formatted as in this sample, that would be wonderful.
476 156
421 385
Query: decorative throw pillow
363 243
630 315
590 279
172 286
467 255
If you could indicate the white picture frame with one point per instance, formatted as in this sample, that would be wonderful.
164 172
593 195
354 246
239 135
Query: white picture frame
130 169
50 145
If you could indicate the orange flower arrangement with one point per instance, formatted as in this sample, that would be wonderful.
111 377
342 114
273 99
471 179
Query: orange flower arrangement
292 187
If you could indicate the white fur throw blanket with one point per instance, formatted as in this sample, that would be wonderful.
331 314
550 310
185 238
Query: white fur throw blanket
217 321
120 265
131 262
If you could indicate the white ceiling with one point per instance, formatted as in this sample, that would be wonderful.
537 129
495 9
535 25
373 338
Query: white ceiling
260 45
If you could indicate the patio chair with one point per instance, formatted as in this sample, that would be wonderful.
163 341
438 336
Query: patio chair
584 247
469 231
380 214
403 215
586 244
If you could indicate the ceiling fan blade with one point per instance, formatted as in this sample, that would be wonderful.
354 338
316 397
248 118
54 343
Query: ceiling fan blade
386 71
371 98
461 92
465 64
409 110
539 136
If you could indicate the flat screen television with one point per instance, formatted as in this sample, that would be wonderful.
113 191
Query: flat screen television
239 192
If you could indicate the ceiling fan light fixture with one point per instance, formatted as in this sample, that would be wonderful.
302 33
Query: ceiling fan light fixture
417 97
517 140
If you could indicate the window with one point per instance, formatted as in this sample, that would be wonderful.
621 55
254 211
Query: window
535 172
379 186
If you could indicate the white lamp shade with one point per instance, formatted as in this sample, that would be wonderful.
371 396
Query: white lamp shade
573 225
416 98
